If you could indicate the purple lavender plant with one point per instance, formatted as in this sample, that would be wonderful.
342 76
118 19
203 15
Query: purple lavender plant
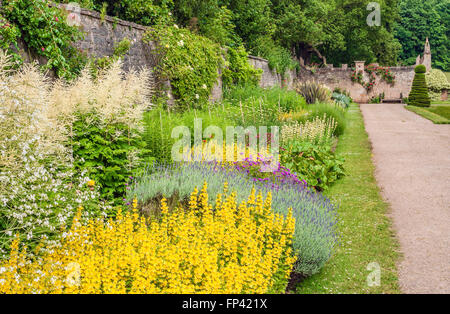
315 216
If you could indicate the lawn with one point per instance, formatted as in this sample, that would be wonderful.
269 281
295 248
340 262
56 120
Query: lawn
443 111
366 234
436 114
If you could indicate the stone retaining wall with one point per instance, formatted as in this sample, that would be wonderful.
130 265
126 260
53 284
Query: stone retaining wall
341 77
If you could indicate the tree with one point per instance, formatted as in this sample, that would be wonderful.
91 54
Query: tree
419 20
361 41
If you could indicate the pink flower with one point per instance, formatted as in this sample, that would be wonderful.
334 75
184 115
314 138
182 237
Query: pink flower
56 19
43 49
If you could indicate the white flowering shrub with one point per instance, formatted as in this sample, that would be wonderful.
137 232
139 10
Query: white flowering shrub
436 82
39 192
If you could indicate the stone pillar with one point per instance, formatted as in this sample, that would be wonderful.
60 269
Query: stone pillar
344 66
359 66
427 55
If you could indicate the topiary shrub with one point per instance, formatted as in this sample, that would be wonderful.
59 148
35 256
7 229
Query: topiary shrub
419 92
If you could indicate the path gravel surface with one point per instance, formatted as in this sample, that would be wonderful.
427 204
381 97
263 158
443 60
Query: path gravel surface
412 159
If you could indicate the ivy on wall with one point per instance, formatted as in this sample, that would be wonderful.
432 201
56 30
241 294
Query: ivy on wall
191 63
44 30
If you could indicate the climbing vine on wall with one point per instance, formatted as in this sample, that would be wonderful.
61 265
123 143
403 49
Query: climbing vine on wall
191 63
44 30
373 71
238 70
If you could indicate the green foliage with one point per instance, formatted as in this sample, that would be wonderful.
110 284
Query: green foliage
420 69
422 19
313 92
323 110
238 71
46 34
364 226
8 40
220 28
159 124
279 58
191 63
341 100
419 92
286 100
255 106
316 164
105 152
339 30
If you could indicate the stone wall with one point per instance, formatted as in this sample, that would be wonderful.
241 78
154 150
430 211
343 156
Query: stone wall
271 78
341 77
101 36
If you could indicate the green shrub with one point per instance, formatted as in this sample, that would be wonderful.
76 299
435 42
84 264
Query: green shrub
191 63
44 30
313 92
436 82
316 164
238 71
419 92
279 58
105 151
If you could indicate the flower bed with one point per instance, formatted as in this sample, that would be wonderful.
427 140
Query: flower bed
231 249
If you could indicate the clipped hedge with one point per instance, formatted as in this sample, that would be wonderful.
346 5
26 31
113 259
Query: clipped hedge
419 92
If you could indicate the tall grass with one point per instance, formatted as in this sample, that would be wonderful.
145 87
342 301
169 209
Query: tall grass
322 110
286 100
159 124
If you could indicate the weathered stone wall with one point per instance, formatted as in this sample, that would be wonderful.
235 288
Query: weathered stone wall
271 78
341 77
101 36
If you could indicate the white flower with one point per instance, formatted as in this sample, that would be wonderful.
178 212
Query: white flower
204 86
181 43
197 96
175 25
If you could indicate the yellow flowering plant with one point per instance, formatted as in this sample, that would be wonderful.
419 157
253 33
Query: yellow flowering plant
232 248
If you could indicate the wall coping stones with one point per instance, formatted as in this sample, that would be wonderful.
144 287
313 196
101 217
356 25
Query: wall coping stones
107 18
257 58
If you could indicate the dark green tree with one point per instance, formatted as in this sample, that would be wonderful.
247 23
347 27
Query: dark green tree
421 19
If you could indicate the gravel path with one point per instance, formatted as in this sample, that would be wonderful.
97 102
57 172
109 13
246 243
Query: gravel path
412 159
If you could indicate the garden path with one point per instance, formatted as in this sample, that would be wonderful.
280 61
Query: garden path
412 159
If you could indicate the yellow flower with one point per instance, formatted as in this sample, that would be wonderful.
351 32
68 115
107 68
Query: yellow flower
228 249
91 183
